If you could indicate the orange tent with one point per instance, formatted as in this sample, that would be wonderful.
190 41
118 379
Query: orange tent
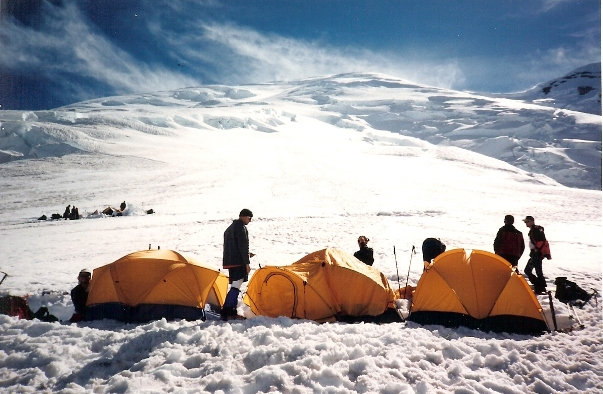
154 284
321 286
480 291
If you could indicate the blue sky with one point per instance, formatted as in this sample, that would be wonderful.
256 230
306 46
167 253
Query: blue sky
57 52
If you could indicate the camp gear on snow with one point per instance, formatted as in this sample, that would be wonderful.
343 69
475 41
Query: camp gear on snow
154 284
321 286
480 291
19 306
15 306
404 293
569 292
572 295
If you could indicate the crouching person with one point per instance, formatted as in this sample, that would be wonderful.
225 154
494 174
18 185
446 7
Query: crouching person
431 248
79 296
236 260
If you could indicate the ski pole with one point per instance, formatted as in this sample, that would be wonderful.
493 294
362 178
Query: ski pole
4 277
397 274
408 273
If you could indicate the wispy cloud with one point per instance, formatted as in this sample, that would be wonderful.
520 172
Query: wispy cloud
243 55
66 45
548 5
192 47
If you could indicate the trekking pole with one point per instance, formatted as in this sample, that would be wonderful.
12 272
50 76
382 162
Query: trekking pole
397 274
3 277
408 273
553 316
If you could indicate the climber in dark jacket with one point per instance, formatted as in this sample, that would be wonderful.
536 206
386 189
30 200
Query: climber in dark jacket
539 249
509 243
236 260
79 296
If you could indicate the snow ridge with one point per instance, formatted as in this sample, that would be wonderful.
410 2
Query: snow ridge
562 144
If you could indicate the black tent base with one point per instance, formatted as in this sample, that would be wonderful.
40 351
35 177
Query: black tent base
143 312
389 316
503 323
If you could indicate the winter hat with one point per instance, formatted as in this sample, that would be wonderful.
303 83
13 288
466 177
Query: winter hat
85 272
529 218
246 212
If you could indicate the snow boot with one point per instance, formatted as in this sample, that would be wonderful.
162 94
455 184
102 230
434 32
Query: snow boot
230 304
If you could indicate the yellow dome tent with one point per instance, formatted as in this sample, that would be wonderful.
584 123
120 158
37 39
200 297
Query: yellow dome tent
480 291
154 284
321 286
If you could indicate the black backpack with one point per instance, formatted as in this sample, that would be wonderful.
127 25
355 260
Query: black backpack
19 307
569 292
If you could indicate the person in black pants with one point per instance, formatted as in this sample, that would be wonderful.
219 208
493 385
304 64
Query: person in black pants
539 249
236 260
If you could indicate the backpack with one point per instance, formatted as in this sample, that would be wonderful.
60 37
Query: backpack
15 306
18 306
569 292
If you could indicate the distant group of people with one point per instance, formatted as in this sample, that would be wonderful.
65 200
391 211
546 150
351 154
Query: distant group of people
73 213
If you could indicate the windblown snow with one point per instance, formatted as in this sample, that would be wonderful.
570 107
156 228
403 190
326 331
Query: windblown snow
319 162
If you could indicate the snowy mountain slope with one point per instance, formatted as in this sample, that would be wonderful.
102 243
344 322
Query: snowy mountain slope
561 144
316 166
579 90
